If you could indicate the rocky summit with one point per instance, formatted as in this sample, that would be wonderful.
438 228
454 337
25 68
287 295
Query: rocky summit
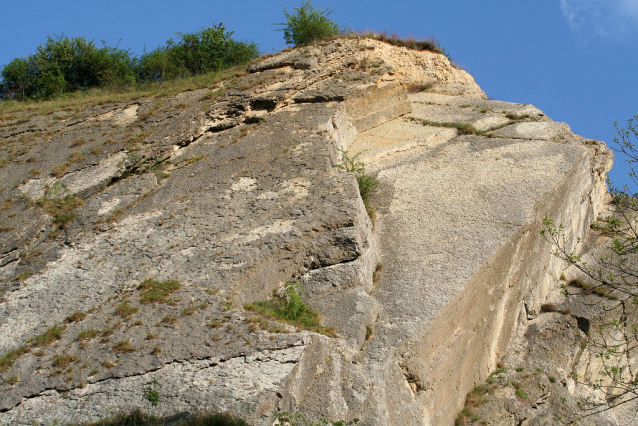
136 236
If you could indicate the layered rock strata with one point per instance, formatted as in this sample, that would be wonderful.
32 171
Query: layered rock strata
232 191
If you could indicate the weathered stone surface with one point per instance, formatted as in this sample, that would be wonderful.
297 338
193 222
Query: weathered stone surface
234 197
552 364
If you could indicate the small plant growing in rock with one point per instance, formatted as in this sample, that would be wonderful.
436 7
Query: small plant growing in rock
151 392
8 359
75 317
63 361
368 184
52 334
154 291
123 346
125 310
291 309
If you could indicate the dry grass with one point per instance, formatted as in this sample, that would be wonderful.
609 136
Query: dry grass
414 43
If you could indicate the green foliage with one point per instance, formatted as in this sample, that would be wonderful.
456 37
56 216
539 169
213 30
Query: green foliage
210 49
368 184
308 25
8 359
125 310
157 291
64 64
61 209
292 304
291 309
612 277
151 392
52 334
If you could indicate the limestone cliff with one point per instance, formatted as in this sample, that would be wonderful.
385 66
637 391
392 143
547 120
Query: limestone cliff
231 191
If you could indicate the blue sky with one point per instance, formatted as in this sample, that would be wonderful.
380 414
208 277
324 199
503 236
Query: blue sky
577 60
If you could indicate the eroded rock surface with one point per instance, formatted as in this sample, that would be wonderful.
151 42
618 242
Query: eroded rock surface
232 191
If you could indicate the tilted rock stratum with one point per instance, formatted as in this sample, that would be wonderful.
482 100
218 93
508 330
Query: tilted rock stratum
231 191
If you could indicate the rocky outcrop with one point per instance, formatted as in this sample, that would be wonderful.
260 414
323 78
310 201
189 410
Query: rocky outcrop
231 191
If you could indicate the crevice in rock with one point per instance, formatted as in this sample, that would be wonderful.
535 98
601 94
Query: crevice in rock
583 324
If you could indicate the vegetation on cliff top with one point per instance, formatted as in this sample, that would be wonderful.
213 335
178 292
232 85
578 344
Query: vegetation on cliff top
65 65
66 72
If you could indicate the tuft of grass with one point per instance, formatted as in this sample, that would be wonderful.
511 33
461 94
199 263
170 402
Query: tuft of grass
368 184
519 390
61 209
23 275
212 95
417 88
53 334
12 380
102 96
592 289
462 128
290 308
123 347
88 334
9 358
169 320
516 117
429 44
75 317
125 310
154 291
63 361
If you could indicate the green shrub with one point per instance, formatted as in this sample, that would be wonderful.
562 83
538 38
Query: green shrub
307 25
210 49
66 64
62 65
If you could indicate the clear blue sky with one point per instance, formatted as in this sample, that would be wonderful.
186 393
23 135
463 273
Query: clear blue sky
577 60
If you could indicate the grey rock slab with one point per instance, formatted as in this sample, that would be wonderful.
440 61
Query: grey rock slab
535 130
478 105
451 225
396 136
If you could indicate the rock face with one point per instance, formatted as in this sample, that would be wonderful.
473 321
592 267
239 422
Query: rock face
231 191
